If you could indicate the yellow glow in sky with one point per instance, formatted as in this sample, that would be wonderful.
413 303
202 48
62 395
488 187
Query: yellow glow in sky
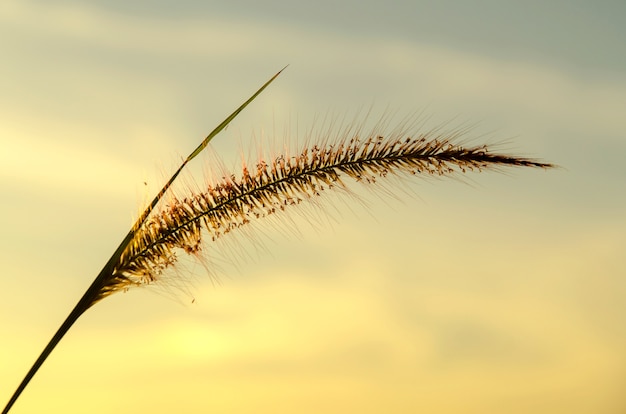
501 296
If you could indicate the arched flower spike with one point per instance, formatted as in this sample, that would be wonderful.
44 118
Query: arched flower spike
268 188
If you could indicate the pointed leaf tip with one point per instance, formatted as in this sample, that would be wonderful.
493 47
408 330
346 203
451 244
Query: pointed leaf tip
232 116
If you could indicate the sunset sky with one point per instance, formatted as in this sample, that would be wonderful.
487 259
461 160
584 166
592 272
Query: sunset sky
502 293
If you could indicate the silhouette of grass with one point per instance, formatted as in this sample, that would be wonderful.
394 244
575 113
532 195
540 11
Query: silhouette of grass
268 188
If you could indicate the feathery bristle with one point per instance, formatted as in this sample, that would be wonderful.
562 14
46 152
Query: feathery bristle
284 182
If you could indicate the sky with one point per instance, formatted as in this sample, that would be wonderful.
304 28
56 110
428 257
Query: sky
502 292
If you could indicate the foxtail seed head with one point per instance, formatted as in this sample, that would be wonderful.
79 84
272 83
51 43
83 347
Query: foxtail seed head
275 185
